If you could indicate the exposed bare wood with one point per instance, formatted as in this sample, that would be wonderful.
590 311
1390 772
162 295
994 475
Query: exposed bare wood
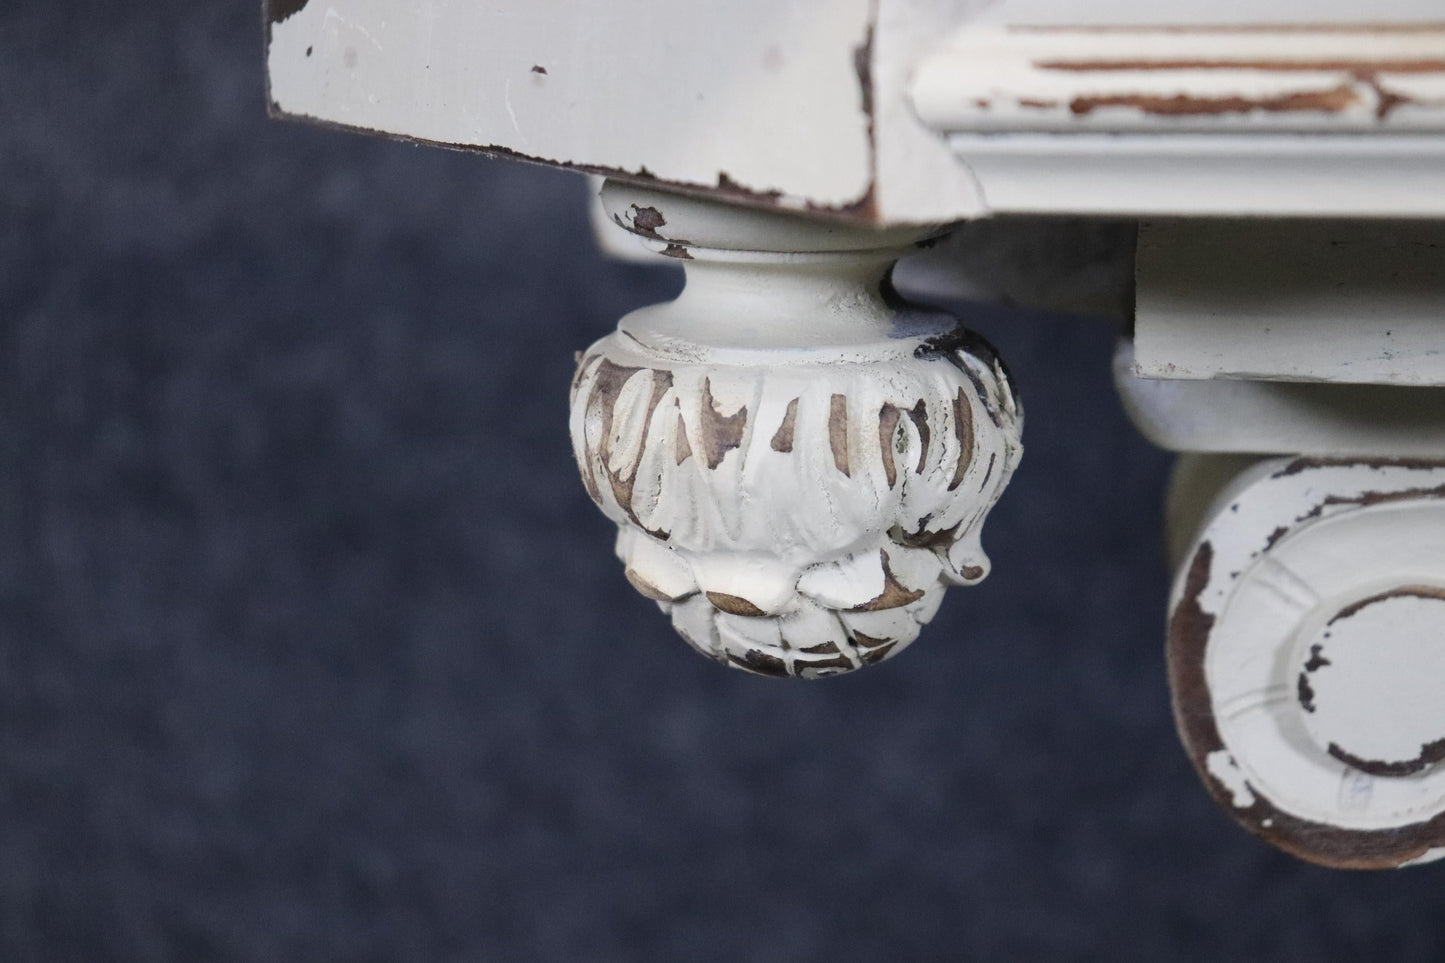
1306 652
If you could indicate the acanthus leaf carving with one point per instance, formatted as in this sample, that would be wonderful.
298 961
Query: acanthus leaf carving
797 507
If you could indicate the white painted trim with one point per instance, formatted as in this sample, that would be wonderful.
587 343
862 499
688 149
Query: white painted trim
1281 417
1358 302
799 467
1291 551
1252 79
1208 175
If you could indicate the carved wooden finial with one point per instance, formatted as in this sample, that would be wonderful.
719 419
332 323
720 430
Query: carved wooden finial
798 465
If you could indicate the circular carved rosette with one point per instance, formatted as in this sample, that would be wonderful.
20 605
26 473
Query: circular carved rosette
1307 658
797 513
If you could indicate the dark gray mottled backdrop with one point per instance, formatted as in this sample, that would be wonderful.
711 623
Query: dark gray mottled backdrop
312 648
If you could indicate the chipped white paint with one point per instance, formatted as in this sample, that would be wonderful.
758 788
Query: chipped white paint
1385 650
1292 300
799 468
1221 766
865 114
1178 80
614 86
1195 109
917 177
759 101
612 242
1306 631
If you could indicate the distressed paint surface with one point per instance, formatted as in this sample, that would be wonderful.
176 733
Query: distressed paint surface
797 502
856 115
1209 79
1305 663
1222 767
1387 649
1220 109
466 75
760 103
918 178
620 87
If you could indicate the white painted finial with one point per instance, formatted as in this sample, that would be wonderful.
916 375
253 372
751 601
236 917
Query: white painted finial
799 466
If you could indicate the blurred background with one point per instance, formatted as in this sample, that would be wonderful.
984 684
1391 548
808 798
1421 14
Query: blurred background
313 648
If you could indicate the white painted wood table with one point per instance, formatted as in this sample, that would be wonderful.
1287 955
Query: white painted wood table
800 463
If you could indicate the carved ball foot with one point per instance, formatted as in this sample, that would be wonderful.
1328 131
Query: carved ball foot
1307 658
799 466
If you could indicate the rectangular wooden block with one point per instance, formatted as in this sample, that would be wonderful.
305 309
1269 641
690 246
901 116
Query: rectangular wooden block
1353 302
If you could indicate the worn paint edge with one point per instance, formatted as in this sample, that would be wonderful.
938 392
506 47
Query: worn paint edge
863 208
1189 628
